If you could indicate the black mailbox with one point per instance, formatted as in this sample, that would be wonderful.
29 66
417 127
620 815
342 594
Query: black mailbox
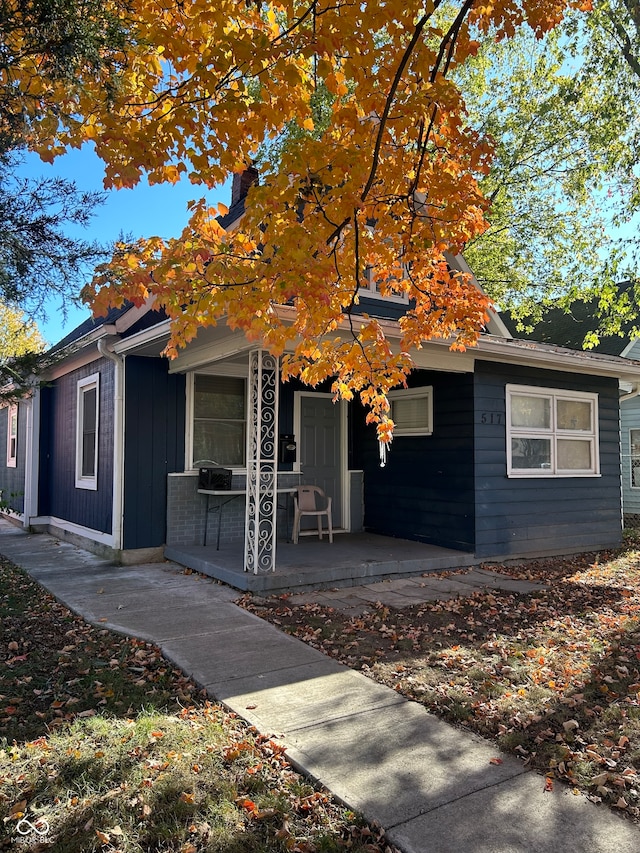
288 448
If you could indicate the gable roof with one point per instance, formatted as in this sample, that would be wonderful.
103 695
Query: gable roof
569 328
89 325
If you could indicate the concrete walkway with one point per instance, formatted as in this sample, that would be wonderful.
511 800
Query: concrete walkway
431 786
402 592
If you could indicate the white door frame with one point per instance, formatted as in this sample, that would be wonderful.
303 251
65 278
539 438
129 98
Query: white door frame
345 522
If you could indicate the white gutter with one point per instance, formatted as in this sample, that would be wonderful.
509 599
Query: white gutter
630 395
89 337
77 353
146 336
556 357
105 349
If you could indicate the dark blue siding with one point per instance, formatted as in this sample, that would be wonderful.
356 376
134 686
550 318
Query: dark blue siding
425 492
58 494
154 447
285 415
529 516
12 479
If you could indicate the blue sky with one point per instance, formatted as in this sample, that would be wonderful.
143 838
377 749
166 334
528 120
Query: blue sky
142 212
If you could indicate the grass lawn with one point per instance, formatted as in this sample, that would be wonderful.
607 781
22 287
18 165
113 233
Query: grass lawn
551 676
105 746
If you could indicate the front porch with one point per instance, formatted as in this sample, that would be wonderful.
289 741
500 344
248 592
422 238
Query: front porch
241 535
352 559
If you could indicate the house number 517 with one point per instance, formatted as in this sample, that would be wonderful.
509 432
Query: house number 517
496 418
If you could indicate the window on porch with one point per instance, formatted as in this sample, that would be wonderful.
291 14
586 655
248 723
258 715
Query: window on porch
412 411
219 420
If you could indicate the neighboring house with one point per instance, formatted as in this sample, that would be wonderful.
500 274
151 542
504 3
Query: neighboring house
508 449
569 329
15 420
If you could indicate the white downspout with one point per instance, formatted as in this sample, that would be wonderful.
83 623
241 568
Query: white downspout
104 348
32 459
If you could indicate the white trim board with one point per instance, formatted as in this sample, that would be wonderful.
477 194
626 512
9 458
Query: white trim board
71 527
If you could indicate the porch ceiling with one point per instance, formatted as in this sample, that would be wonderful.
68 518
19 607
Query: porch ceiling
212 345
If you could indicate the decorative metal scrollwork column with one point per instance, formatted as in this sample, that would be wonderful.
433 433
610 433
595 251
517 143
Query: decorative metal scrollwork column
262 464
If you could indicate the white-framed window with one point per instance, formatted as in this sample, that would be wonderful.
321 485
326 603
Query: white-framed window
371 288
12 435
634 457
412 411
219 422
551 433
87 422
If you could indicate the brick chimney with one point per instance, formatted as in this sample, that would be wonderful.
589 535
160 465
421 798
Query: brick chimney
241 183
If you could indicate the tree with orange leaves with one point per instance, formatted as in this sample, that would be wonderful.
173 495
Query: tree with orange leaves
377 177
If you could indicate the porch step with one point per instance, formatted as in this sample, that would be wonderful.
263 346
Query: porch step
349 561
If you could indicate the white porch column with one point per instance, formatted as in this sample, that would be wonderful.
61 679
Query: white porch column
262 463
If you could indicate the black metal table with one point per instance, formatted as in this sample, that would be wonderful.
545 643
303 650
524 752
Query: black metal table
230 495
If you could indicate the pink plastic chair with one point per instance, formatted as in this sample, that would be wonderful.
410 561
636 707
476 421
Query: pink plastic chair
305 503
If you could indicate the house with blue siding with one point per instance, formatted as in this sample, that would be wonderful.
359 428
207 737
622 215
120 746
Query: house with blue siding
509 449
569 328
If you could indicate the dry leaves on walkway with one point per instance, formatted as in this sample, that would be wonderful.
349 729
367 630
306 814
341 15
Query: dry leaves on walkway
553 676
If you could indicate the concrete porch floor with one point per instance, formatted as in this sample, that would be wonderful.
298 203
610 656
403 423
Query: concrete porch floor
351 560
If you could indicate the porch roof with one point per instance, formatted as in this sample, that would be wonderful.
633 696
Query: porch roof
219 343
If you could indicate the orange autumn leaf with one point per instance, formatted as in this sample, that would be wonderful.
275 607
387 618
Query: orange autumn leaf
246 804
